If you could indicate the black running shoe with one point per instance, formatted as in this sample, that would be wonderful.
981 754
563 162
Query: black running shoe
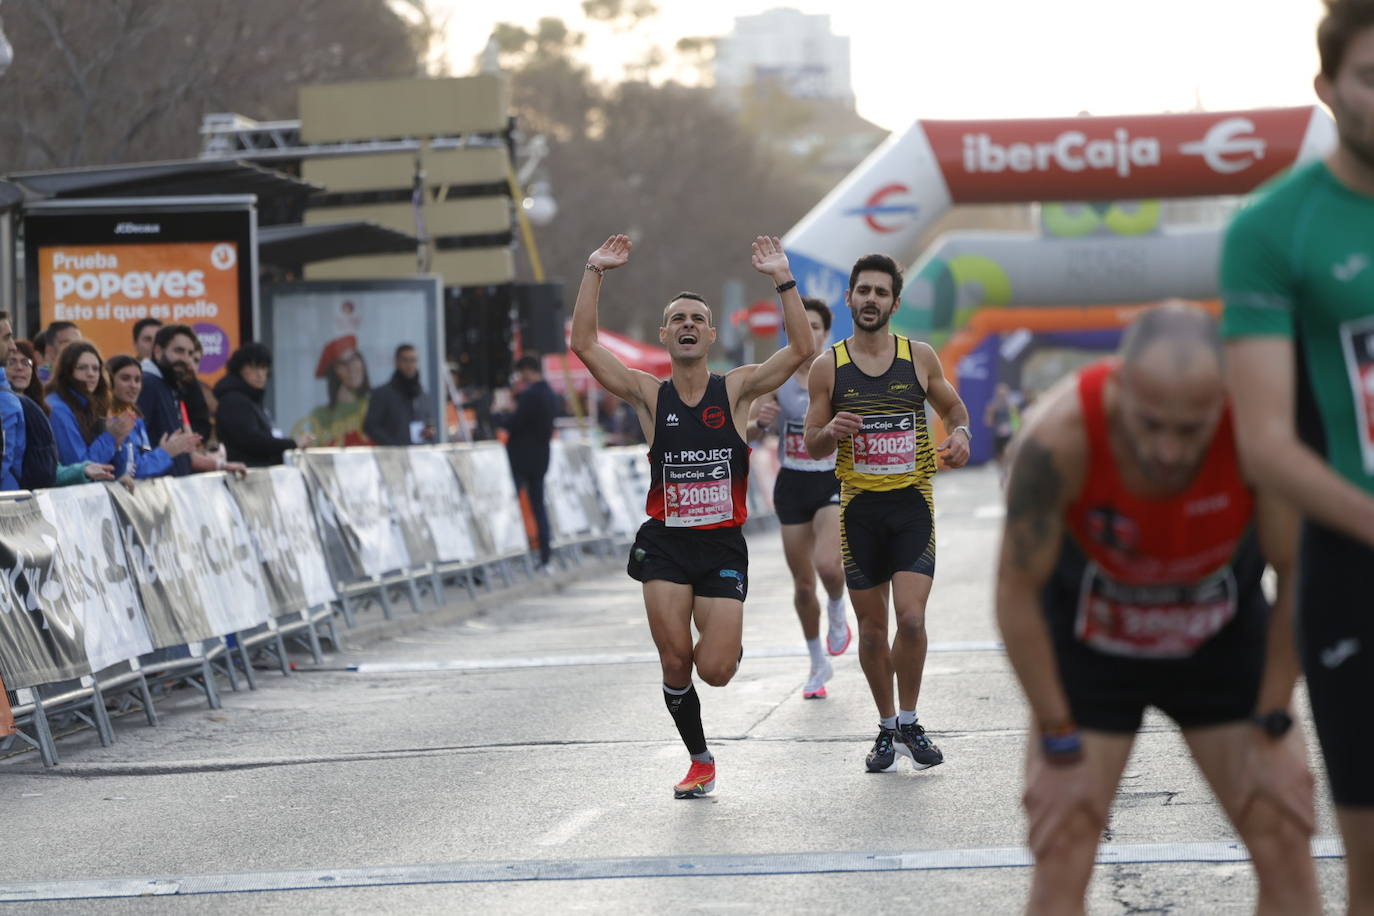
883 756
912 741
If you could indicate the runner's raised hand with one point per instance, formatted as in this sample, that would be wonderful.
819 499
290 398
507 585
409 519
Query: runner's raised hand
769 258
615 252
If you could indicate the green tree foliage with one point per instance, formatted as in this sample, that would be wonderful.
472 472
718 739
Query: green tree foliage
107 81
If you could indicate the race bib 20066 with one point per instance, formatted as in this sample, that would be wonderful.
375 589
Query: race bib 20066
697 494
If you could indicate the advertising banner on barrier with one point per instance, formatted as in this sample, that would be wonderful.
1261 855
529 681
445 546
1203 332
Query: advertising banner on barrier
255 495
40 634
447 511
485 474
612 467
165 577
95 573
354 513
210 530
276 508
572 492
292 503
567 514
633 479
407 513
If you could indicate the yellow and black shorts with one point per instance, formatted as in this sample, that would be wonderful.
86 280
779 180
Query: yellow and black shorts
886 532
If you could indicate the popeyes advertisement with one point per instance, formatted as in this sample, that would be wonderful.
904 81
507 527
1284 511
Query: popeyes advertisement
107 289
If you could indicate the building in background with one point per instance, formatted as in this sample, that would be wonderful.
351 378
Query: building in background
795 50
788 75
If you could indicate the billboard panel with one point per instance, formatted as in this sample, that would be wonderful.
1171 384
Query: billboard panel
107 289
106 264
333 342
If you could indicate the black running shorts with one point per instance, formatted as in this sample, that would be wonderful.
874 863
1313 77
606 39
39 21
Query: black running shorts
714 561
1215 685
799 495
1336 642
886 532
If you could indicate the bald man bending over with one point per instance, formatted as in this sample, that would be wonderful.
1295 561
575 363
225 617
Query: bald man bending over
1129 577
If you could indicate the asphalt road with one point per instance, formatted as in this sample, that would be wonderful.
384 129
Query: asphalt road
473 759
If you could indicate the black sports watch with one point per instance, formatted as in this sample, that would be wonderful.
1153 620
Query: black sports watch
1275 723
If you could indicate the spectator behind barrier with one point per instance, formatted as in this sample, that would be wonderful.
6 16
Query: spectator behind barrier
530 427
164 373
145 331
40 467
138 458
22 363
51 343
11 414
399 413
79 404
243 424
199 410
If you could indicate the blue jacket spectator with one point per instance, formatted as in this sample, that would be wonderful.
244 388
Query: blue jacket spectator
138 457
79 407
159 402
71 432
12 418
147 461
11 415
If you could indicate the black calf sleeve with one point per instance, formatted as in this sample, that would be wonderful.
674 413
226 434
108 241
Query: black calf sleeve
685 707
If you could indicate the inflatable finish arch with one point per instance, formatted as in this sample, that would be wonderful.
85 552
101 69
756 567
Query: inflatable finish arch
905 185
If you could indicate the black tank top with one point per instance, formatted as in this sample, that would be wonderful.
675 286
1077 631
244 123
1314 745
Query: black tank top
698 463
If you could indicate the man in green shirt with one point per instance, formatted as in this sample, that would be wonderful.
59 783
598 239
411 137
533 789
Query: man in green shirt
1297 278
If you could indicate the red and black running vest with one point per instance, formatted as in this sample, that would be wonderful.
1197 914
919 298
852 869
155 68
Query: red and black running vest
1156 578
698 463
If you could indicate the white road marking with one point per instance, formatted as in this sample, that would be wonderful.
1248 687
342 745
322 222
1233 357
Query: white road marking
622 658
628 867
568 828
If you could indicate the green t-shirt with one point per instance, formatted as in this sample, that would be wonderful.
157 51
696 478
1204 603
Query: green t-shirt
1298 262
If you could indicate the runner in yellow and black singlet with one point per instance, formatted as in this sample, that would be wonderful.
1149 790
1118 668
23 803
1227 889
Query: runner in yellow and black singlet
889 455
868 402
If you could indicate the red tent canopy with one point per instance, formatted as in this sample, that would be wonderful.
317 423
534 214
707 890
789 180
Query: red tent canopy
650 358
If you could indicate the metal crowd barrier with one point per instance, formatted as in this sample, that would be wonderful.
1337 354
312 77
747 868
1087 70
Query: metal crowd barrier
221 573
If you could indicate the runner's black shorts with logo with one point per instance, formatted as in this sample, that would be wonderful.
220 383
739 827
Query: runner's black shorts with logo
1216 685
799 495
886 532
1336 643
713 561
1108 692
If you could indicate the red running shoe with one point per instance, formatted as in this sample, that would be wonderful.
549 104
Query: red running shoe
700 779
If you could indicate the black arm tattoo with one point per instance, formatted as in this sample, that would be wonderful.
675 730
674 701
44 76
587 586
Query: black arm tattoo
1033 495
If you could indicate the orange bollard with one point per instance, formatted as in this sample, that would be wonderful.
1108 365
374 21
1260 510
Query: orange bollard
6 716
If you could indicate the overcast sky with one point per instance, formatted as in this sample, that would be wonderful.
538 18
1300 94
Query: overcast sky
994 58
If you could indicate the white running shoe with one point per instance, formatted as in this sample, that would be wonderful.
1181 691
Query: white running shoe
815 684
838 636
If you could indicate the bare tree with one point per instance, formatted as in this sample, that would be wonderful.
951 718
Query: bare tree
685 177
125 80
